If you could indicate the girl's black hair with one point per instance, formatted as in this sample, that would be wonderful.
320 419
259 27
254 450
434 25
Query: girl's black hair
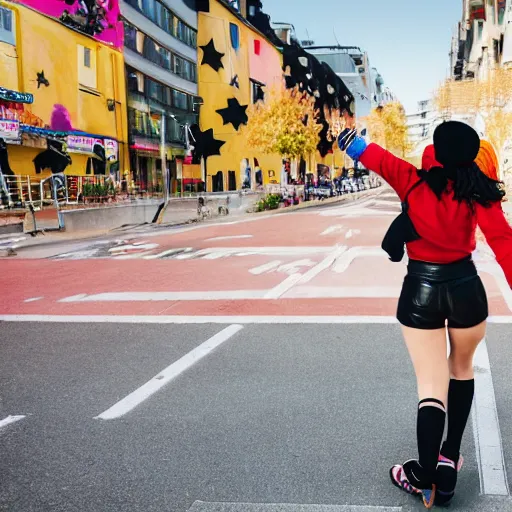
470 184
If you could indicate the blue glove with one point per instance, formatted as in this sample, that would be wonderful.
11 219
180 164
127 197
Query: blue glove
354 145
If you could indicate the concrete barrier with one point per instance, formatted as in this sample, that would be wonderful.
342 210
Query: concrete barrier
178 211
108 217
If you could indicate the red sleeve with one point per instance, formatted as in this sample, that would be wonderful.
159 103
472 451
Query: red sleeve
397 172
498 233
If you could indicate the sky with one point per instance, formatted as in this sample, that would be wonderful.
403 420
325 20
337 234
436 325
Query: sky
407 42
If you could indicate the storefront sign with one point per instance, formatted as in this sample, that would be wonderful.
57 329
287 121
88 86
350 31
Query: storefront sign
111 150
145 145
9 129
79 144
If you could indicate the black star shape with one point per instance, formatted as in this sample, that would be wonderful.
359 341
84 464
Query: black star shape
207 145
41 80
211 56
234 113
234 82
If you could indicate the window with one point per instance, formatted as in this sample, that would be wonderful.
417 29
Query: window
130 36
148 7
480 29
7 34
86 66
181 30
179 100
235 36
257 93
87 57
169 22
189 71
159 55
165 56
157 91
178 65
491 13
502 4
159 14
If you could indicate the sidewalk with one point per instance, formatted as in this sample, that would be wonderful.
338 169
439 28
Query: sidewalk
15 243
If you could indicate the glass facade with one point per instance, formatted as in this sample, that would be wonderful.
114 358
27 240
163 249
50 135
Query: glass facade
157 97
141 43
159 14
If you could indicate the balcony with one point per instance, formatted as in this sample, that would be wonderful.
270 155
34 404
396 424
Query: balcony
476 10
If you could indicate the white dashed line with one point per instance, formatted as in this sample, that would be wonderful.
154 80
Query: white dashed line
486 429
141 394
9 420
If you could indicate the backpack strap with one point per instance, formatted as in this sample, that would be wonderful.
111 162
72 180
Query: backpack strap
405 202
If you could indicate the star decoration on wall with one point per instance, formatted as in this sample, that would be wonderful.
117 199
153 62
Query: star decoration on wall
211 56
235 82
234 113
207 145
41 80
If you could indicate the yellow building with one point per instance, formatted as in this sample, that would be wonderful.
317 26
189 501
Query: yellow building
78 87
236 62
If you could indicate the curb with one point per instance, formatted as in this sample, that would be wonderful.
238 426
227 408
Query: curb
315 204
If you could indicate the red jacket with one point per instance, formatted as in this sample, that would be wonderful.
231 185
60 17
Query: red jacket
447 227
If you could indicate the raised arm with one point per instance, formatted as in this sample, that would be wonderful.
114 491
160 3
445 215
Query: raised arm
397 172
498 233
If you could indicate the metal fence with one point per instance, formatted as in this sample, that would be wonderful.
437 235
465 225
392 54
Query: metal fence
20 191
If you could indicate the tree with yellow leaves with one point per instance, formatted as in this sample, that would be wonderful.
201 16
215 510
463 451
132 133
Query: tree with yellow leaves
489 97
285 124
387 126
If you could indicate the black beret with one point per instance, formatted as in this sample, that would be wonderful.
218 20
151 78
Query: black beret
456 143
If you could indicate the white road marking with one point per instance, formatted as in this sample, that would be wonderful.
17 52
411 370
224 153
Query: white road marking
232 237
12 240
74 298
33 299
133 256
323 265
169 252
168 296
351 232
136 246
201 506
10 419
141 394
267 267
295 266
193 319
264 251
486 428
344 260
283 287
343 292
333 229
196 319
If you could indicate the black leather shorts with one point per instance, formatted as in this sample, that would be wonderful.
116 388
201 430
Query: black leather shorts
435 293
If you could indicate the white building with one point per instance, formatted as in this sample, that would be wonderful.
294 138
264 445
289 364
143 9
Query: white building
483 38
421 125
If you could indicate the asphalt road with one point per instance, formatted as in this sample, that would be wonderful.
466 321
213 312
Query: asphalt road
303 414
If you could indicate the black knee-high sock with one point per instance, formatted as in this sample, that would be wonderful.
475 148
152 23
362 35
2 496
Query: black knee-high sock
460 400
430 430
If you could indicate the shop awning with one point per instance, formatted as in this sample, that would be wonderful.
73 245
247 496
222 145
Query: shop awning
15 96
